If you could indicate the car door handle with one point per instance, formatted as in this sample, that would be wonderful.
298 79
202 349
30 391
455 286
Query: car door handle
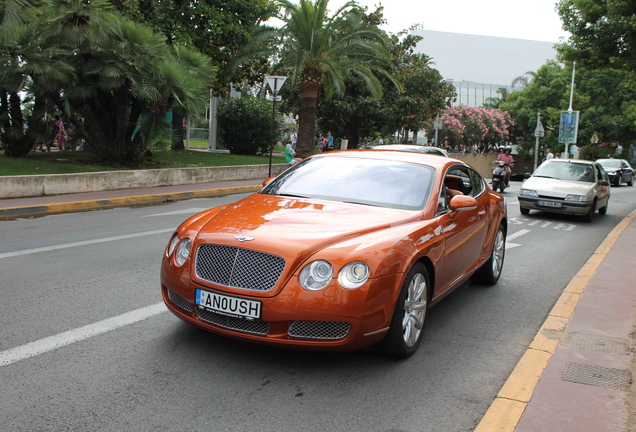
482 213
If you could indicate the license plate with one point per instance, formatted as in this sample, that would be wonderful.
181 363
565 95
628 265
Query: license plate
549 204
233 306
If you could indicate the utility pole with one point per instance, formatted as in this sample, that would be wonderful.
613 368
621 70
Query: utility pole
538 132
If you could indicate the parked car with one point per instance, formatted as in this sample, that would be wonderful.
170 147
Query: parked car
618 170
576 187
343 250
412 148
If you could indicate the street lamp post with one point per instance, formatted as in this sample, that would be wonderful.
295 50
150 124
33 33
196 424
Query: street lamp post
275 83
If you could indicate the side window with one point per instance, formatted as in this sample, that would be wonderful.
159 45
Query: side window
478 183
465 185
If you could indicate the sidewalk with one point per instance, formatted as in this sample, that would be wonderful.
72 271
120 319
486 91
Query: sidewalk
576 376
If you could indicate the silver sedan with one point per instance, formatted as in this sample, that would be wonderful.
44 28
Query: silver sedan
576 187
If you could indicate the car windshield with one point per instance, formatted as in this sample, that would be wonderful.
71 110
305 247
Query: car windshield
615 163
566 171
363 181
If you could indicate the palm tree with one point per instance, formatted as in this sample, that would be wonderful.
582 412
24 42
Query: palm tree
327 49
524 80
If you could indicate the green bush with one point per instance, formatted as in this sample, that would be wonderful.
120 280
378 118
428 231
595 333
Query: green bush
244 125
593 152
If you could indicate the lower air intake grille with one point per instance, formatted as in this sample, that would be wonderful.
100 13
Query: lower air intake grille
319 329
257 327
179 301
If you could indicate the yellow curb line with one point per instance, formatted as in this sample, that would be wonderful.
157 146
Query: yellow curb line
506 410
101 204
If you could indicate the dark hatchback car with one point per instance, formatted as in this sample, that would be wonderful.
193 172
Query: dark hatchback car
618 170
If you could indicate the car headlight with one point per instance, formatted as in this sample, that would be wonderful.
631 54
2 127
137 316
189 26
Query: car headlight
316 275
529 192
353 275
611 173
183 251
173 243
577 198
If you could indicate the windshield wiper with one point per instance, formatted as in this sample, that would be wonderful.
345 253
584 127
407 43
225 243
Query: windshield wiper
544 176
291 195
361 203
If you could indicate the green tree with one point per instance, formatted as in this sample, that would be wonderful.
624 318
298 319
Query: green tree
603 33
113 78
327 49
604 99
220 29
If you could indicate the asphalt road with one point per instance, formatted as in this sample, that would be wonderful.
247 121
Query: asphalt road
86 345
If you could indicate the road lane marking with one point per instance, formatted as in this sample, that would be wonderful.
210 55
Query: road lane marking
51 343
83 243
176 212
514 236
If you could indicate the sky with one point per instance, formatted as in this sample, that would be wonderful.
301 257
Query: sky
521 19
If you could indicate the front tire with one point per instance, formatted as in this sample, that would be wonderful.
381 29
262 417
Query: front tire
490 271
524 211
603 210
589 215
411 308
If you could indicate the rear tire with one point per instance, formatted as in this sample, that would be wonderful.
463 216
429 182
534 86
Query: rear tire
490 271
631 181
411 308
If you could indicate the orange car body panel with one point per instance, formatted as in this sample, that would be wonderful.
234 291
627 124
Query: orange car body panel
389 241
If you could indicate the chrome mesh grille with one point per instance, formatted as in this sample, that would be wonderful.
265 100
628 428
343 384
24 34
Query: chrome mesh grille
179 301
319 329
257 327
238 268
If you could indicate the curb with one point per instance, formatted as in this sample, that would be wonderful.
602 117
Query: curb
506 410
130 201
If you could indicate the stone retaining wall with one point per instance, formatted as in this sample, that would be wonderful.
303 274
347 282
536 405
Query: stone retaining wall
59 184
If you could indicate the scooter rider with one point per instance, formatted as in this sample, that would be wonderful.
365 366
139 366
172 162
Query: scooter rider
507 158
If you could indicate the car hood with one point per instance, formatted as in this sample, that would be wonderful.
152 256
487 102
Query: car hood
558 188
296 228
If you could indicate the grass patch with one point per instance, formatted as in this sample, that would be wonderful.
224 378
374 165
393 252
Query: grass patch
70 162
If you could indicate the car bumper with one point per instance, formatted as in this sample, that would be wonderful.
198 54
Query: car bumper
555 205
330 319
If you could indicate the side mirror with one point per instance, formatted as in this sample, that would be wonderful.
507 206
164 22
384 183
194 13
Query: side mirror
526 176
603 183
268 181
462 203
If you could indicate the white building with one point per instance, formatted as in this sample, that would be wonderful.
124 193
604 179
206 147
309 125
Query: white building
479 65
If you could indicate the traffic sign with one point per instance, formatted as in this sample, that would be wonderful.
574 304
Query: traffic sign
275 83
539 131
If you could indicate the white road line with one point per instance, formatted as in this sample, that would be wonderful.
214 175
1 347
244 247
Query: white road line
51 343
517 234
176 212
84 243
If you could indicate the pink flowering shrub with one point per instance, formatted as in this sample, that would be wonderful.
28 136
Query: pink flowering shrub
467 125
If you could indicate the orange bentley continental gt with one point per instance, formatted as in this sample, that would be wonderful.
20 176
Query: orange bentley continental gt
343 250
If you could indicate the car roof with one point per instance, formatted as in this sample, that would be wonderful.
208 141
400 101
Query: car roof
558 160
412 147
429 159
610 159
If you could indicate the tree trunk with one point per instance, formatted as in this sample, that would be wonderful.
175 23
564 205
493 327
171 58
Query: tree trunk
352 132
178 134
307 124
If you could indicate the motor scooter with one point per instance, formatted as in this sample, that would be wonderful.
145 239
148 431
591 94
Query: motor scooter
499 176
